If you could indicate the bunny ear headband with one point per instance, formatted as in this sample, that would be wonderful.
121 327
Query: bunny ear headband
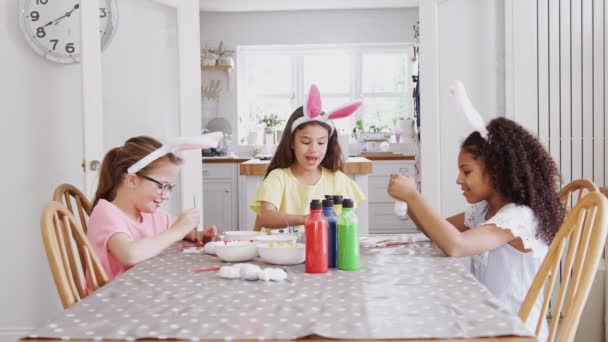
178 144
463 101
313 111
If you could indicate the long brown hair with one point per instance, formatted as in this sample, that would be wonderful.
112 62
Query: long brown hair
284 156
119 159
521 170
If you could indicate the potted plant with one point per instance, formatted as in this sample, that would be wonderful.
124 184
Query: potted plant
272 122
358 130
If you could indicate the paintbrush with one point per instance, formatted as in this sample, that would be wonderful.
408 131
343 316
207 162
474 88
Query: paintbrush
197 241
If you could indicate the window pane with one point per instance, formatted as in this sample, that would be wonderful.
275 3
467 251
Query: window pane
258 107
331 72
384 72
269 74
383 112
263 106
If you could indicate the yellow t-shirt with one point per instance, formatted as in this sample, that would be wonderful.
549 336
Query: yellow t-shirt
283 189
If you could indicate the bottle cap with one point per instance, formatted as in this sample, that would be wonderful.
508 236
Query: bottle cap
347 203
328 202
337 199
315 204
329 197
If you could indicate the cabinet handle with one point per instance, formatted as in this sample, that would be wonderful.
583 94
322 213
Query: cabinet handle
405 218
227 191
404 169
205 172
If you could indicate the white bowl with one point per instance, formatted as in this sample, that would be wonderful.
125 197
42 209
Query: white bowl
236 251
241 235
262 239
281 253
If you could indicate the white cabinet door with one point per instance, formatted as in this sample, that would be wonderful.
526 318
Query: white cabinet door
381 206
220 193
218 208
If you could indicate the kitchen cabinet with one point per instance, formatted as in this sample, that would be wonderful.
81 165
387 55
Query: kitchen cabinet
382 218
220 194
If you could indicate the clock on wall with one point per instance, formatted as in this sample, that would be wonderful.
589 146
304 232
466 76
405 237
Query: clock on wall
52 27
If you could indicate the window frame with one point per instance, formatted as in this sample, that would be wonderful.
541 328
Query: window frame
297 53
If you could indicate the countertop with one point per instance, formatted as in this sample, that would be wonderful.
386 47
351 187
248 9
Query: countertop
354 166
370 156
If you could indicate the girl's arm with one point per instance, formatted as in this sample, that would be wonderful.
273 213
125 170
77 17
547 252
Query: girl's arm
271 217
458 222
442 232
130 252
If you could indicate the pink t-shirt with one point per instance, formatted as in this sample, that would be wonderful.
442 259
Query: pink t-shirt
107 220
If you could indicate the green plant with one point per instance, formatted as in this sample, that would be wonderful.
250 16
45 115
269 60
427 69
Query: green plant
270 120
358 126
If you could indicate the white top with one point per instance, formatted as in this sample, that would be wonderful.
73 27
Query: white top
506 271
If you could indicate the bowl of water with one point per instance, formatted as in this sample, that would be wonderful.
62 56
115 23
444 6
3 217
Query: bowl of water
236 251
282 253
241 235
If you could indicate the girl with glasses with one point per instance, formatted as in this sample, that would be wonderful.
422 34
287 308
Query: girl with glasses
127 225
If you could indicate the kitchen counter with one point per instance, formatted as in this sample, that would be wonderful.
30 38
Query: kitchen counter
370 156
224 160
353 166
386 156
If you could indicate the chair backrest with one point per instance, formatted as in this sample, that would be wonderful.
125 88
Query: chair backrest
604 191
583 233
577 188
66 194
73 261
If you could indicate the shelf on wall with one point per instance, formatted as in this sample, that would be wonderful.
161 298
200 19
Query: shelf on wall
216 67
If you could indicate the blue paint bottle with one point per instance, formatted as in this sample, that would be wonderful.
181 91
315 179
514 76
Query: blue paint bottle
332 233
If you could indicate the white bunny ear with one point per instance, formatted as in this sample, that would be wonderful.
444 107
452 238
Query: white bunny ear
463 101
209 140
178 144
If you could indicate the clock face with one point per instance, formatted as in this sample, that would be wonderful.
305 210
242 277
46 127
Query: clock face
52 27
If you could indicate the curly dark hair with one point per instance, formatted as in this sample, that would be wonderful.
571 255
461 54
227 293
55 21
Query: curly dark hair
522 170
284 156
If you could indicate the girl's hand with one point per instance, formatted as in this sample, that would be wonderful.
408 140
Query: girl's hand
187 220
209 234
402 187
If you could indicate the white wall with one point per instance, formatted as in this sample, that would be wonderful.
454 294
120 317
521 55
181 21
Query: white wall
41 135
298 27
42 148
468 45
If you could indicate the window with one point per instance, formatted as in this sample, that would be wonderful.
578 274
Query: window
274 80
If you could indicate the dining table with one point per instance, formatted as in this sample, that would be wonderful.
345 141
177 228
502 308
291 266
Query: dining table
406 290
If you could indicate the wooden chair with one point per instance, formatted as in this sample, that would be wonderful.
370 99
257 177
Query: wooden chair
71 257
583 233
580 186
604 191
66 194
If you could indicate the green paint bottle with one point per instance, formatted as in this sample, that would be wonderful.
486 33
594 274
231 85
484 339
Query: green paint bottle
348 237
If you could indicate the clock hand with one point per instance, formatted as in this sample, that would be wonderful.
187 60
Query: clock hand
67 14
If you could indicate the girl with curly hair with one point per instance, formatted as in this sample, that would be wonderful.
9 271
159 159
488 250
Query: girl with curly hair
513 186
306 165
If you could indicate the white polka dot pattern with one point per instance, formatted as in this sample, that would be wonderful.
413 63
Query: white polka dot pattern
408 291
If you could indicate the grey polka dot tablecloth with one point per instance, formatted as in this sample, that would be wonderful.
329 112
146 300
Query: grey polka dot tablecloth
401 292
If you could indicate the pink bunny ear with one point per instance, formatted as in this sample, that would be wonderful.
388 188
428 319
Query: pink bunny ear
344 111
312 106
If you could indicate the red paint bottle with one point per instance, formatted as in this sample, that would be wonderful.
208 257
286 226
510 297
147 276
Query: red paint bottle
316 226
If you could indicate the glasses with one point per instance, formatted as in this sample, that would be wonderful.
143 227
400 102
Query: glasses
165 188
